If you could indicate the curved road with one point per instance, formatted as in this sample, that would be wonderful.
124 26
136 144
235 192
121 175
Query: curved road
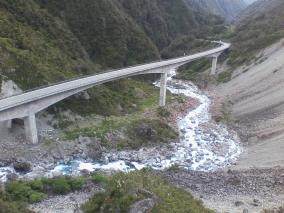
27 104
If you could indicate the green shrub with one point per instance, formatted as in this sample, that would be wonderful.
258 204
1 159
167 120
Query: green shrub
63 185
37 190
60 186
224 77
100 179
123 190
76 183
20 191
145 132
163 112
37 185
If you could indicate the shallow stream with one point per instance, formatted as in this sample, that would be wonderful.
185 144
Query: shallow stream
203 146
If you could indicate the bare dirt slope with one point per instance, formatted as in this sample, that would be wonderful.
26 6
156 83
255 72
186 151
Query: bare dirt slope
256 96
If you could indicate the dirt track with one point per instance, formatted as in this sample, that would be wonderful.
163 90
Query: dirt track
257 98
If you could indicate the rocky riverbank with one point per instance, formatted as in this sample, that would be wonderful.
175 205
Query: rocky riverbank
233 191
69 203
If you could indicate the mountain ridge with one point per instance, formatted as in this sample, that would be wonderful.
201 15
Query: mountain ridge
225 8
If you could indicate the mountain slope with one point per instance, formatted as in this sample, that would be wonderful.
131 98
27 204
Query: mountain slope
109 35
167 21
259 26
45 41
253 100
37 48
227 9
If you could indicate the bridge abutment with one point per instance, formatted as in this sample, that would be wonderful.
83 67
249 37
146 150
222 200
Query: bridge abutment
31 129
163 89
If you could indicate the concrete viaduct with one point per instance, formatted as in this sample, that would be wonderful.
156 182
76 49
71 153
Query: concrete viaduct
27 104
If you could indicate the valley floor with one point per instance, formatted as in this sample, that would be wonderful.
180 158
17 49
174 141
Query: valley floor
255 101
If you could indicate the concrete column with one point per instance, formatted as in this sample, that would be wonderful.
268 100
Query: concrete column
31 129
8 124
214 65
163 89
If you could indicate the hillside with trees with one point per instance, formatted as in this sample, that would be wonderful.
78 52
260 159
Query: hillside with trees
259 26
227 9
43 42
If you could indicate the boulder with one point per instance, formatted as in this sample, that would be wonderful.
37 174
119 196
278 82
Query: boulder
94 150
239 203
22 167
146 131
12 177
142 206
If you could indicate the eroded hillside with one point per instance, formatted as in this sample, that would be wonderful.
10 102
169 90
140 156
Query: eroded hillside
253 98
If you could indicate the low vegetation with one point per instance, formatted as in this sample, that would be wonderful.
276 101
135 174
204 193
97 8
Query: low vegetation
13 207
39 189
224 77
123 190
115 98
18 194
136 132
130 130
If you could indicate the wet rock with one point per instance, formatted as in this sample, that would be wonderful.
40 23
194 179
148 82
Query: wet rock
12 177
85 172
239 203
255 202
22 167
94 150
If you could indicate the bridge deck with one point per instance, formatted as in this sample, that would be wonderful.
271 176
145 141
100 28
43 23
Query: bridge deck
62 87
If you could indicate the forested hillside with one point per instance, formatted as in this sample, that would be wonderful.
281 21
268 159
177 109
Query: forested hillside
48 41
227 9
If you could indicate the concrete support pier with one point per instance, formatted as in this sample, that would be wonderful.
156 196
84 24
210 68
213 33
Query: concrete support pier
163 89
31 129
214 65
8 124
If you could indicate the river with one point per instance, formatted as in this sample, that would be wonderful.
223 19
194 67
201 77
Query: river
203 146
